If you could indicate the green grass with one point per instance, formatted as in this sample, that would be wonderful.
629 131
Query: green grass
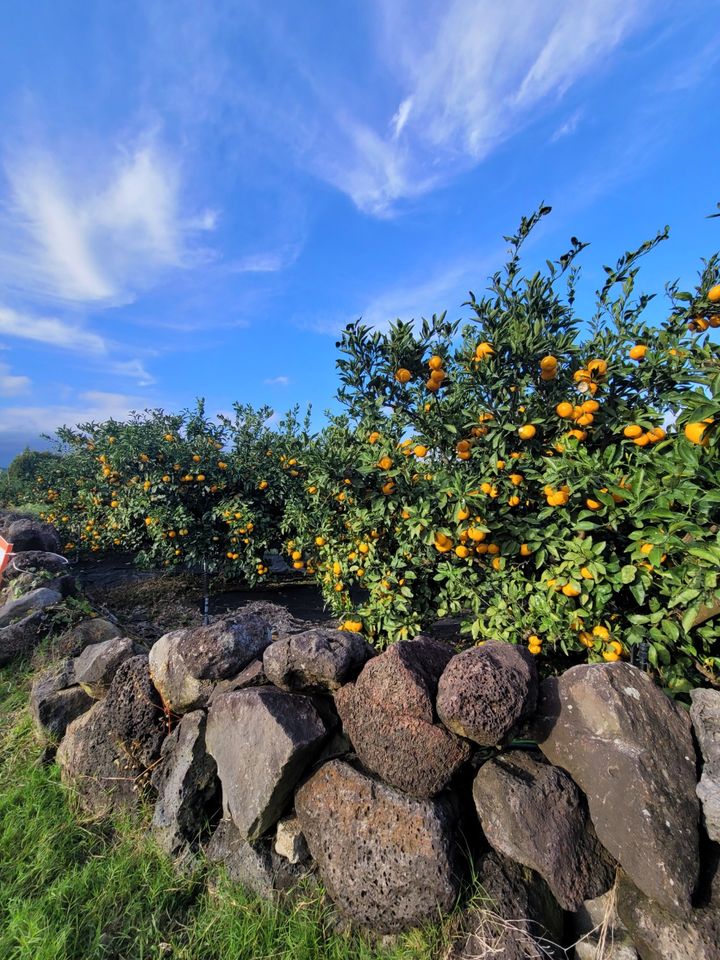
72 889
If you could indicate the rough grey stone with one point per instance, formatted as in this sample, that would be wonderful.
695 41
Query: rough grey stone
221 649
55 701
619 736
316 660
103 776
20 638
263 740
389 716
33 602
389 861
181 692
33 535
533 813
253 864
252 676
86 633
705 715
485 692
186 785
97 665
515 917
659 934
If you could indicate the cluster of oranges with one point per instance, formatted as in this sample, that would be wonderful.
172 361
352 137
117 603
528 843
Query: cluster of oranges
642 438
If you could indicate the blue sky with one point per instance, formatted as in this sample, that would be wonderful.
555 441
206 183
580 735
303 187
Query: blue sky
196 197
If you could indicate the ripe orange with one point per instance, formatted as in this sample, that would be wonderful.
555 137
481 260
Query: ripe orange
435 362
462 446
656 434
420 450
643 440
432 386
578 434
714 294
697 432
598 366
525 550
590 406
320 541
698 325
570 590
548 363
403 375
516 479
632 431
638 351
462 551
513 501
496 562
437 376
592 504
500 464
385 463
476 534
374 437
388 488
586 573
462 513
585 419
483 350
527 431
442 542
564 409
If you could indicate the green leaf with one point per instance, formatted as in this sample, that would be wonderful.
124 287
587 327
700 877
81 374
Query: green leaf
628 573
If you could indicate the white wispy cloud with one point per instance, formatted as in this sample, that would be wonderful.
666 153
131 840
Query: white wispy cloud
51 331
568 127
11 384
471 75
97 405
277 381
67 236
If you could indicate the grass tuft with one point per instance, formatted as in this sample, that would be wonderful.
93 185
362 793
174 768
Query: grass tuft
72 889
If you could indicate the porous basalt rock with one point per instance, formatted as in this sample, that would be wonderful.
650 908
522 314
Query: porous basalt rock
389 861
485 692
389 716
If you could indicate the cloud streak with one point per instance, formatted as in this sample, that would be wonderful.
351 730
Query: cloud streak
70 238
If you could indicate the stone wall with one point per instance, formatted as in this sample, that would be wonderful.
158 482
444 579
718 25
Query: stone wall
586 805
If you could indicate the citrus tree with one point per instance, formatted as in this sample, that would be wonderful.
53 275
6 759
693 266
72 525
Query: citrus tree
177 488
551 481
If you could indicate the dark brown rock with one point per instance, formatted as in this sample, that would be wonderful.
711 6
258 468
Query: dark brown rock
389 715
94 630
485 692
134 713
630 749
108 753
705 715
535 814
19 639
389 861
514 918
316 660
103 777
263 740
221 649
253 675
